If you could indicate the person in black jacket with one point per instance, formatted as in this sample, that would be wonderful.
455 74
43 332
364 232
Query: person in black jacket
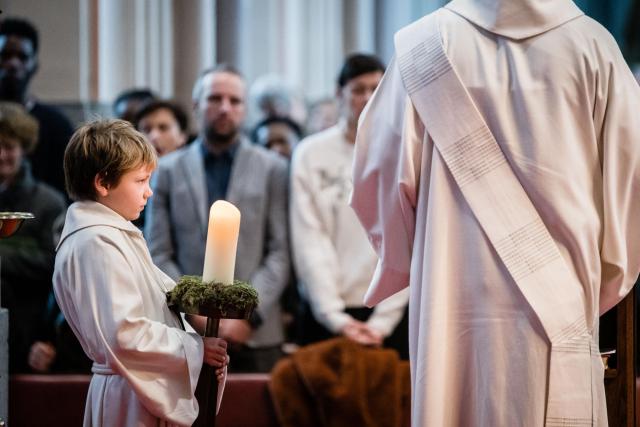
18 64
28 256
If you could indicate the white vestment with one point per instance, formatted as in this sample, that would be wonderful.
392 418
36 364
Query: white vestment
555 92
145 367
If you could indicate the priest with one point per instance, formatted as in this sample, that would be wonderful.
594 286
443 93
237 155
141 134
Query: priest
497 172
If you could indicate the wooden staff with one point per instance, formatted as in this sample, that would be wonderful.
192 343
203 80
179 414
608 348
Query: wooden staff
207 388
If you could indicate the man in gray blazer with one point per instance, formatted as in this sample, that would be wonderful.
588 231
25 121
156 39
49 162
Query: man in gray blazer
221 164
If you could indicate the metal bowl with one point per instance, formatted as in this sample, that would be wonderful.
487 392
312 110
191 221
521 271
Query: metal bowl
10 222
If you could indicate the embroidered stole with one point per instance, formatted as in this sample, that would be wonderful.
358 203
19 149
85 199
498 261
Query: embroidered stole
508 218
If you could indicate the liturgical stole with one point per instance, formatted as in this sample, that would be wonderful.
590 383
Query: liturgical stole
508 218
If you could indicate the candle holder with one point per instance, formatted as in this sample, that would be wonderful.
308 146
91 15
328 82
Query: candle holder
215 301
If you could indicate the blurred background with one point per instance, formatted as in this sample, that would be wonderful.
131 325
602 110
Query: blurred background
91 50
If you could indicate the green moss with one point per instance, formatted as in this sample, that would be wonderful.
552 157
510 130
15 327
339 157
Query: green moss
193 296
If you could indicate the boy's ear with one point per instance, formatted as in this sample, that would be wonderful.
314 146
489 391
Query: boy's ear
101 189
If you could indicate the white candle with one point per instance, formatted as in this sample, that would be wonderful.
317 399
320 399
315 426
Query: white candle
222 243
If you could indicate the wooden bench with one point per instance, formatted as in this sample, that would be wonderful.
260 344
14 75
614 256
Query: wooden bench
620 383
45 400
39 400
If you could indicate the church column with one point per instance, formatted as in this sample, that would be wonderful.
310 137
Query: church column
135 47
324 48
194 44
228 31
359 26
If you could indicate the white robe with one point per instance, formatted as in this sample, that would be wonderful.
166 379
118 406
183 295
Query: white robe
146 367
555 91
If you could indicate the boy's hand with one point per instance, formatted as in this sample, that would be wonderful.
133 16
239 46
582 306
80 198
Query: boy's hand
215 352
220 373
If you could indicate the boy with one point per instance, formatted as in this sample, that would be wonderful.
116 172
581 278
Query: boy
145 365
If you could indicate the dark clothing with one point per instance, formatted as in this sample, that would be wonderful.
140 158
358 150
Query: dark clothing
217 168
27 261
53 136
70 357
310 331
246 360
339 383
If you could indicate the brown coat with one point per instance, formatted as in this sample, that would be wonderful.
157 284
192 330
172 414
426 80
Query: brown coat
339 383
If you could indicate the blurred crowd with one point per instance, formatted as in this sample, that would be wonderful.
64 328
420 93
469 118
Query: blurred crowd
286 164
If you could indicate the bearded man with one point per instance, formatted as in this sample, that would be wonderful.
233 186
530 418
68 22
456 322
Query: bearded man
221 164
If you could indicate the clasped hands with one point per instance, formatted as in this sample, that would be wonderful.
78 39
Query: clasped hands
362 333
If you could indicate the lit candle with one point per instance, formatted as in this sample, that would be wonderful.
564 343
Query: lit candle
222 242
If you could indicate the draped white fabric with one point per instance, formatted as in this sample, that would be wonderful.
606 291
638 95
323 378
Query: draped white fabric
145 366
562 106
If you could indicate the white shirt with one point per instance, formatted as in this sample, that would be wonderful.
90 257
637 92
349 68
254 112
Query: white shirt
332 255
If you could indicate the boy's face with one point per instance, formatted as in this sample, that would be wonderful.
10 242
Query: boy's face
130 195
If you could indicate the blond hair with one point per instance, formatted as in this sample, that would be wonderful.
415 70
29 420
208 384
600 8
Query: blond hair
107 149
16 123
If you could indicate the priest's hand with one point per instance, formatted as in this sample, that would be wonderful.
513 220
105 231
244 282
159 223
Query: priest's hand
362 333
236 331
215 352
41 356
